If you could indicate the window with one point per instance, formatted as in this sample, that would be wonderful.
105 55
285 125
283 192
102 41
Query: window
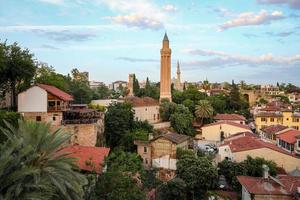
272 119
51 103
295 127
295 119
145 149
157 116
146 161
287 119
54 118
263 119
145 109
154 116
298 143
58 103
38 118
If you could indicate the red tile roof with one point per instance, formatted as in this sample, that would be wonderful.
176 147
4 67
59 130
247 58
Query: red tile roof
89 158
273 129
56 92
289 136
140 102
229 117
247 143
284 185
227 123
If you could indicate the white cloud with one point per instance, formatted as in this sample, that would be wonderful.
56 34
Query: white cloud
221 59
251 19
169 8
137 20
55 2
135 13
295 4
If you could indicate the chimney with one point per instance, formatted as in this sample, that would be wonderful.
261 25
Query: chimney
265 171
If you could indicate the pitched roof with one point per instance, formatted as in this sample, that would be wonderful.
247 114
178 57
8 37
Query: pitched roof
284 185
89 158
56 92
140 102
229 117
273 129
174 137
247 143
289 136
269 114
227 123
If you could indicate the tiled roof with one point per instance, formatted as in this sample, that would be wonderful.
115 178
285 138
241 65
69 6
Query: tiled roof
247 143
140 102
284 185
85 154
240 134
174 137
273 129
289 136
269 114
229 117
227 123
56 92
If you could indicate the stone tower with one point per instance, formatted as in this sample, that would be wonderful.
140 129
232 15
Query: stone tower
130 84
178 85
165 70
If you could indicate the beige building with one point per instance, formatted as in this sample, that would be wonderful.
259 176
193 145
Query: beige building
145 109
165 70
270 90
237 149
161 151
218 131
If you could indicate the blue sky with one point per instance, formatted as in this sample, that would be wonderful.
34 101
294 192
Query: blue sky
253 40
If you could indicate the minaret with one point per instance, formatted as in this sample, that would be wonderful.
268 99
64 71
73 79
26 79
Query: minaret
178 79
165 70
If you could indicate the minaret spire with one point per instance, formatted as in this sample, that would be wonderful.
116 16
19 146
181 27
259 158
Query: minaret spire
165 69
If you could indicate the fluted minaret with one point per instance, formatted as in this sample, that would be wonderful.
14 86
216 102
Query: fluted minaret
165 70
178 85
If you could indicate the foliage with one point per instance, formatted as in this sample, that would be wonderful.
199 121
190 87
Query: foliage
204 110
118 120
249 167
234 100
191 93
102 92
142 125
136 85
181 121
219 103
97 107
9 117
114 185
198 173
32 168
127 142
262 101
150 90
180 153
166 109
283 99
124 162
189 104
17 68
172 190
149 179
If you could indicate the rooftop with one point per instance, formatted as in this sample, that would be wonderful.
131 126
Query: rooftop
89 158
229 117
174 137
289 136
220 123
284 185
141 102
269 114
56 92
247 143
274 128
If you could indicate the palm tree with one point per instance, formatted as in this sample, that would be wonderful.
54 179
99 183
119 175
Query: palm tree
203 110
32 167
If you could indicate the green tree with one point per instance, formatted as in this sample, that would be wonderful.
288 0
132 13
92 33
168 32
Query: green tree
181 121
204 110
136 85
118 120
127 142
189 104
33 168
219 103
234 97
115 185
8 117
166 109
198 173
17 68
102 92
172 190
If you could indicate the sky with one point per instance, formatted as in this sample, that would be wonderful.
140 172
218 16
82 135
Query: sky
257 41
